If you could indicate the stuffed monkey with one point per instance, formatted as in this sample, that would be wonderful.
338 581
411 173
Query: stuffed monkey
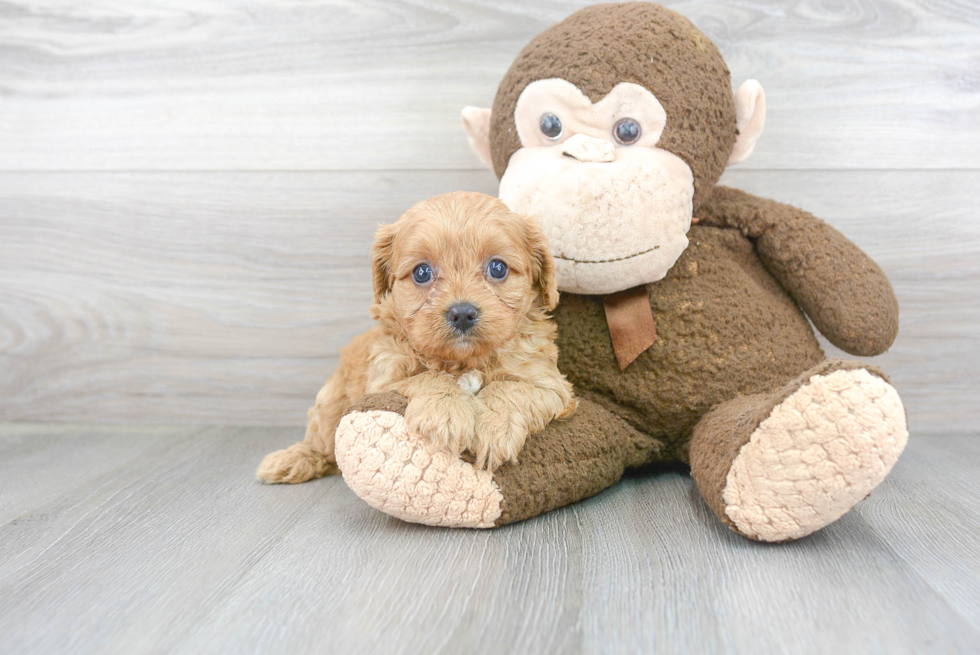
683 314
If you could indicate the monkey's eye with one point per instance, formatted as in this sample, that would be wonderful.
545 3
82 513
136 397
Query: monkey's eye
551 126
422 274
627 131
497 269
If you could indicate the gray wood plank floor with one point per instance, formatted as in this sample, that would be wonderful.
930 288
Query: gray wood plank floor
137 540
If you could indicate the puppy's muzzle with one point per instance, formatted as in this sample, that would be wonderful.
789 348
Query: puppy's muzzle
462 316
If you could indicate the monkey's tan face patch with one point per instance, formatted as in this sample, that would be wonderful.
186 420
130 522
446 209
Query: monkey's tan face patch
616 214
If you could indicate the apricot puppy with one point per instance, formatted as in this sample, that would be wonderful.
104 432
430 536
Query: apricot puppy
461 288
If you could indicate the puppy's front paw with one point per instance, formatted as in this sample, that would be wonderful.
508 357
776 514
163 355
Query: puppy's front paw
448 421
500 437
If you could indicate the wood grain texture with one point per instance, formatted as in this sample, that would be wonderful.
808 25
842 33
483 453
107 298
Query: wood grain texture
225 297
181 551
378 84
211 298
31 477
203 295
187 196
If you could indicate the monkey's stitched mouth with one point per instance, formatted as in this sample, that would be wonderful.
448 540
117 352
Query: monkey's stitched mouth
605 261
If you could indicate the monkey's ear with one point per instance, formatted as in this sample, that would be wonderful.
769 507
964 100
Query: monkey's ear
476 122
750 117
381 250
542 264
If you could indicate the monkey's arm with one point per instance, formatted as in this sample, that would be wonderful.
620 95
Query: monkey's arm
845 294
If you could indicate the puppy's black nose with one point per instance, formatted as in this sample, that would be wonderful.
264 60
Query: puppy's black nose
462 316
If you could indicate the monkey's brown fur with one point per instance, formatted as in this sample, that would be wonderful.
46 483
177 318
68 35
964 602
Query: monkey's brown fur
603 45
733 342
415 352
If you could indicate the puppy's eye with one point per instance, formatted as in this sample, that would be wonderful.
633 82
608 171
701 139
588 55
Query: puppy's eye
627 131
497 269
422 274
550 126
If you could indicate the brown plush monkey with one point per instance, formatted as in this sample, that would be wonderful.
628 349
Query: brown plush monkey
686 342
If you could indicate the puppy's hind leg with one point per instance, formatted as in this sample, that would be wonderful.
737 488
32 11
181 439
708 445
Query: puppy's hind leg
313 457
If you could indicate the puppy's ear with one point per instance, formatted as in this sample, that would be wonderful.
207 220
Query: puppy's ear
381 251
542 264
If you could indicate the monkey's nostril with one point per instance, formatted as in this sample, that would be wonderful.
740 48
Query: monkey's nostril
462 316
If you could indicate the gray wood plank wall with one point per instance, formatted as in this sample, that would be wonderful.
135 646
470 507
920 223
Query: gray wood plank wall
188 190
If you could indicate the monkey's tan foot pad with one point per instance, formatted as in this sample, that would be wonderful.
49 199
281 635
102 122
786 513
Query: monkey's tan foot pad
821 451
402 474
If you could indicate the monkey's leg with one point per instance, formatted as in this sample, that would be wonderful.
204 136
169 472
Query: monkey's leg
779 466
403 475
313 457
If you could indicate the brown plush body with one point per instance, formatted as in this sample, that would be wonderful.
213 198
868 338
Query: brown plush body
721 319
726 329
613 128
725 324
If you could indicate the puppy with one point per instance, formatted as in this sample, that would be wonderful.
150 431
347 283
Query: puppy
461 288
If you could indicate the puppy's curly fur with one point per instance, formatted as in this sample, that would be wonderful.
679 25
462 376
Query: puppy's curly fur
480 389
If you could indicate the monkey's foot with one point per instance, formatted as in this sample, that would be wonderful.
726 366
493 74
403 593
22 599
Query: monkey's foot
404 475
819 452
